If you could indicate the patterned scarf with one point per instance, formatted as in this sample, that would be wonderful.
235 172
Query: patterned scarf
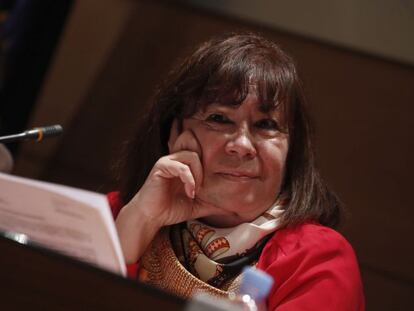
215 255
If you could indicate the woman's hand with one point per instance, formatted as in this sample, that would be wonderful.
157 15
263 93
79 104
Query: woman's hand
167 197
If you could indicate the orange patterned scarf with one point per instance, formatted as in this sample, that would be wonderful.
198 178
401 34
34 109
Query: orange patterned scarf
214 255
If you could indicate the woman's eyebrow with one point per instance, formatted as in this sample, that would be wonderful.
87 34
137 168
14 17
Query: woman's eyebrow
224 106
219 106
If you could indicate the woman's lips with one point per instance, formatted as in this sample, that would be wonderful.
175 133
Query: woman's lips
238 176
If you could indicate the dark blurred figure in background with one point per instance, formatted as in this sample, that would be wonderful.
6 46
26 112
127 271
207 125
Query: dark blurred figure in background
29 33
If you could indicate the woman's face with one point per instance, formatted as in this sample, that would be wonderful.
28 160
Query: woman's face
243 154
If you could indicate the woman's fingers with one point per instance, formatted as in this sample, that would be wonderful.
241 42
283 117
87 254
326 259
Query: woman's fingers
186 166
191 159
186 141
169 168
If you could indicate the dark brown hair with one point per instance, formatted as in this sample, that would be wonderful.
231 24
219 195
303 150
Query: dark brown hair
223 70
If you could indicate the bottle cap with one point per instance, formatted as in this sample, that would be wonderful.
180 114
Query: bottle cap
255 283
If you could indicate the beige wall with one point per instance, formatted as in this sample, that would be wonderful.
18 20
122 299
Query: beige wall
102 77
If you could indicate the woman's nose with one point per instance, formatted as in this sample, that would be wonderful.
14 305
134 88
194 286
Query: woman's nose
241 145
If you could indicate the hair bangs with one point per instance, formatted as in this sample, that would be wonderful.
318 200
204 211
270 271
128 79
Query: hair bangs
239 75
274 87
227 85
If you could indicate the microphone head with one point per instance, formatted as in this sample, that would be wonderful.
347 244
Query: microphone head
52 130
39 133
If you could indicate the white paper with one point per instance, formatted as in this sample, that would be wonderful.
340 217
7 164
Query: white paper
72 221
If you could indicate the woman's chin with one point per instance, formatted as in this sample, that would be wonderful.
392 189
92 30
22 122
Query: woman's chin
235 210
220 221
229 200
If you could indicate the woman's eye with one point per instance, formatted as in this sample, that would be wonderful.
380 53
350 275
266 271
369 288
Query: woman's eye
267 124
218 118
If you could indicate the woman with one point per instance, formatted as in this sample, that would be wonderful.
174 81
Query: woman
222 175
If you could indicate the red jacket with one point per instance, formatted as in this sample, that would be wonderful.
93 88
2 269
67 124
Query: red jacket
313 267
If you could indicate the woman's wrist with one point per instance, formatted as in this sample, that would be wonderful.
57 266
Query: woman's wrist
136 230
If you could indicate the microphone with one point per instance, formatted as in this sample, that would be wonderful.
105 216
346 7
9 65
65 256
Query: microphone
38 134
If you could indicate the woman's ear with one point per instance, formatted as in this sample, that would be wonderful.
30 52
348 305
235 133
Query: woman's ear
174 133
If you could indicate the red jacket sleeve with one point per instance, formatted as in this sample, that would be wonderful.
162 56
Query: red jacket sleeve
116 205
314 268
